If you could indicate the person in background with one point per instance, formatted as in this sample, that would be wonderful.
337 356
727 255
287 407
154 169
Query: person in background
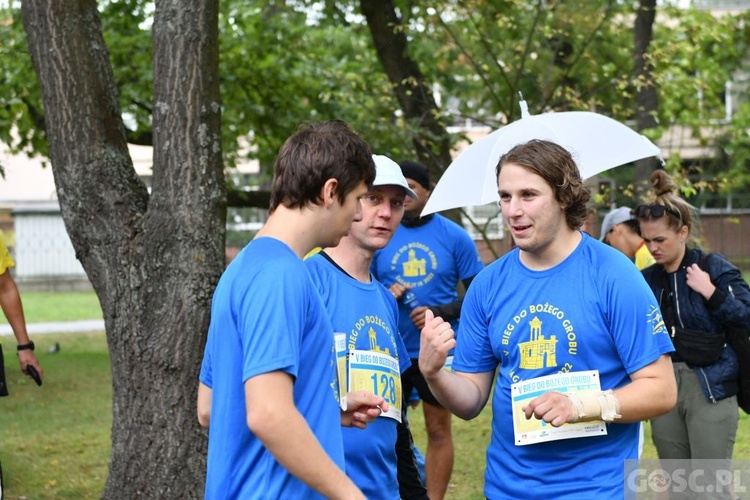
365 316
523 319
620 230
700 295
268 370
422 266
10 301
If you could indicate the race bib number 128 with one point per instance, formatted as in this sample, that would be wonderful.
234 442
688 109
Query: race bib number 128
378 373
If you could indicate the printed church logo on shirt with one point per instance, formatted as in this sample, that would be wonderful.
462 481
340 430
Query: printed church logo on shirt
414 267
415 264
374 342
378 332
538 352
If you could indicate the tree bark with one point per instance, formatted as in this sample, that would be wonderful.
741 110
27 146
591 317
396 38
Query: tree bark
414 95
647 97
153 260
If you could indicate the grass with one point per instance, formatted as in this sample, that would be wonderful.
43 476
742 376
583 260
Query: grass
43 307
470 440
55 439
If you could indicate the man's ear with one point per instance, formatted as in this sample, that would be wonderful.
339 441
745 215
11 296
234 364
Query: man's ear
329 192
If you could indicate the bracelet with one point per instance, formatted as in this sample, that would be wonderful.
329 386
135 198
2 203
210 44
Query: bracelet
24 347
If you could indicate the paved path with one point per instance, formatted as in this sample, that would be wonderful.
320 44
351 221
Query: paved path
93 325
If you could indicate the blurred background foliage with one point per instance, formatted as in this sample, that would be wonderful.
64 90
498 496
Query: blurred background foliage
285 62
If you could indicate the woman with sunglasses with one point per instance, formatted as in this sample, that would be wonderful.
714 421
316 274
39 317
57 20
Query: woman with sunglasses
699 296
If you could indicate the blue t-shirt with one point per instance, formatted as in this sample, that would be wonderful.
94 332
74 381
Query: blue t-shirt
367 314
431 259
593 311
266 316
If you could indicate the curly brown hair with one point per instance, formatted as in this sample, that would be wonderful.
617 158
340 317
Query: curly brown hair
556 166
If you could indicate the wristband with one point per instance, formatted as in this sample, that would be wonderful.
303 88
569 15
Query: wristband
24 347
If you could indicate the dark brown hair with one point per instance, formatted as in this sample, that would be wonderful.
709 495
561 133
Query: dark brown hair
315 153
554 164
678 211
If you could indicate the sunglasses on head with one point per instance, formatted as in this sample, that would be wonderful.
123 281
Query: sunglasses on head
654 211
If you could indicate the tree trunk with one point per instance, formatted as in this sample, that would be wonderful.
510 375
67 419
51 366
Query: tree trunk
412 91
646 98
155 259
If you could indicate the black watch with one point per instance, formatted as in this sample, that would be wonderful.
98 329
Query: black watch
23 347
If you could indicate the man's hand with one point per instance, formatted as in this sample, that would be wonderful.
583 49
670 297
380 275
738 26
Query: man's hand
398 290
26 358
417 316
552 407
362 408
436 342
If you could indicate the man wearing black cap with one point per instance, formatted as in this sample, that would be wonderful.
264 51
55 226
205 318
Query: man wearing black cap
422 266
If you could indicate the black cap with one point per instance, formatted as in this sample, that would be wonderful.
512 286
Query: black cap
417 172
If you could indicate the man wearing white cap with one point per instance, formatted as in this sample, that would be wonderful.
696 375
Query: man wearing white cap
422 266
364 314
620 230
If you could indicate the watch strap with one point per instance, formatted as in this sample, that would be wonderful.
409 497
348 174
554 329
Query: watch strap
24 347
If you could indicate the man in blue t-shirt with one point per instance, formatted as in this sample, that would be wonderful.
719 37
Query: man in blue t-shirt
572 331
267 384
422 266
372 355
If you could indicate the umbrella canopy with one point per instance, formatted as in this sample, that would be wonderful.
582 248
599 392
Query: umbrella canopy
596 142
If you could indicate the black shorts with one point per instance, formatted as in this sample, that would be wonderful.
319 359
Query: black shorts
412 378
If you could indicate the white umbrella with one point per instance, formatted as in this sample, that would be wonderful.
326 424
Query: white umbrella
596 142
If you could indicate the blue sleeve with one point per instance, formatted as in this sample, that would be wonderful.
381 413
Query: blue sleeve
634 317
272 320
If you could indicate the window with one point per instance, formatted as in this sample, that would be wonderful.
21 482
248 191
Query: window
487 217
